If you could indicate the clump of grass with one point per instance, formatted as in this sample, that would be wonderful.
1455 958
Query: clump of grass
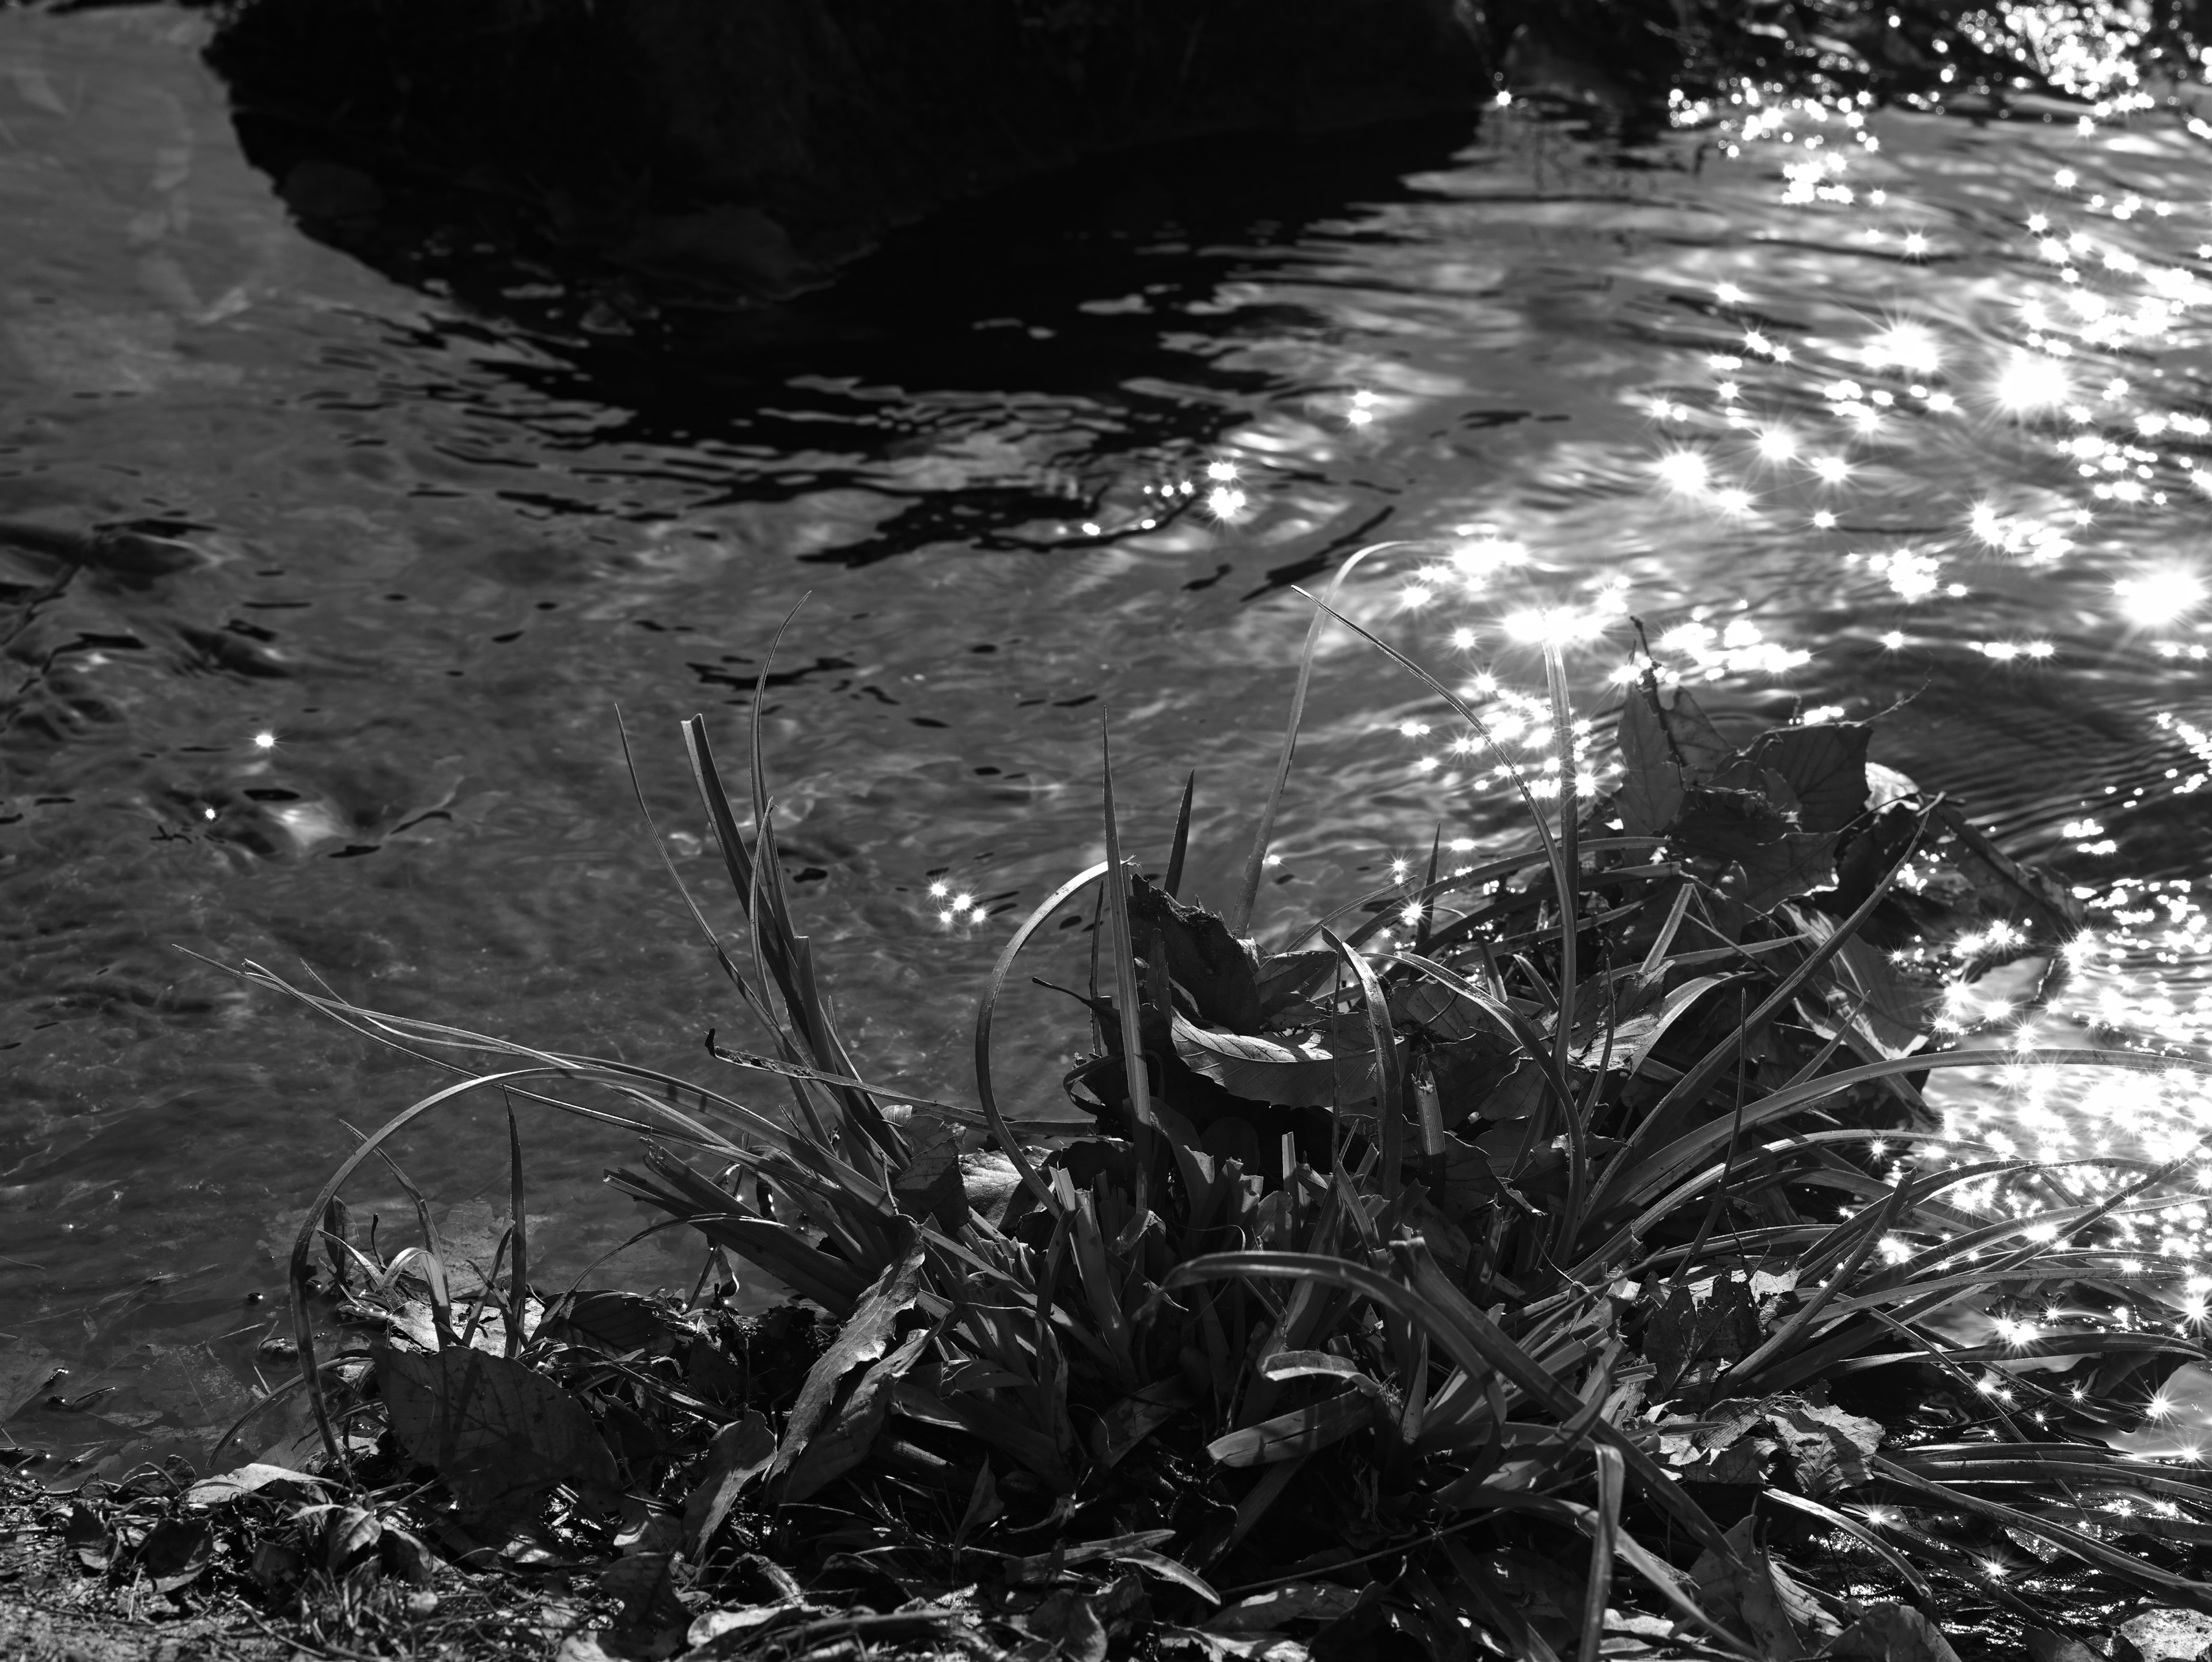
1465 1276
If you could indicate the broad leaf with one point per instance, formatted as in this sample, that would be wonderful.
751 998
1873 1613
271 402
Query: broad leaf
864 1337
1651 783
1311 1073
252 1479
1206 960
1761 1599
741 1451
833 1452
500 1434
1825 767
1898 1632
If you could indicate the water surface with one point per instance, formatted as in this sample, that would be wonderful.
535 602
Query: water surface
1850 441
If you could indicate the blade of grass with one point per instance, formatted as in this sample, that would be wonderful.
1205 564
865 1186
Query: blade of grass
516 1201
301 1267
1389 1096
1425 913
1135 1073
1180 846
986 1007
1239 917
1603 1544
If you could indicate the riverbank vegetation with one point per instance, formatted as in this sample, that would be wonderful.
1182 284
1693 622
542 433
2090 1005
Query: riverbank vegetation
1551 1254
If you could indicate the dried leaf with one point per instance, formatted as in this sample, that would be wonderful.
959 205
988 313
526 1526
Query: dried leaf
1691 1335
1137 1416
1294 1601
2169 1636
1740 1442
617 1323
176 1552
1893 1632
740 1451
830 1454
1307 1073
932 1186
1760 1599
864 1338
281 1481
500 1434
642 1582
1218 971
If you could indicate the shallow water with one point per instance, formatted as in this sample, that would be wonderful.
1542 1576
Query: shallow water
440 532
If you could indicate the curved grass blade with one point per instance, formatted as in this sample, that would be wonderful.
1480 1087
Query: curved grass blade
1605 1542
2090 1550
301 1267
1460 707
1239 917
988 1005
1859 1532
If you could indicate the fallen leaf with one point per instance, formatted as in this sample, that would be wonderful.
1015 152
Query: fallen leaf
933 1186
618 1322
2045 1646
281 1481
741 1451
1690 1337
175 1552
830 1454
1759 1598
1076 1629
1203 958
1135 1417
642 1582
864 1338
1893 1632
2169 1636
1741 1442
499 1433
1294 1601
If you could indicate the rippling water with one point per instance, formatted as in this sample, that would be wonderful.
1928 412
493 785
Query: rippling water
1912 426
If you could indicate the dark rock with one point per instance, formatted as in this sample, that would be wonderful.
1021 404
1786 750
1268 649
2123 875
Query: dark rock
757 144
